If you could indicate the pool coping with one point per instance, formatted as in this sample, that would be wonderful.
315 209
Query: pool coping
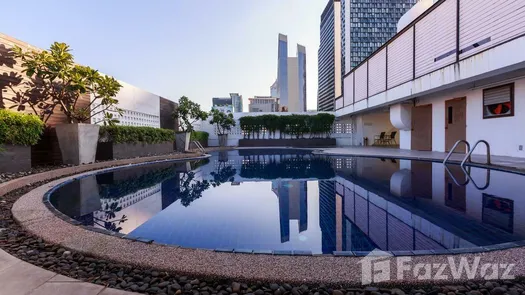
47 203
40 210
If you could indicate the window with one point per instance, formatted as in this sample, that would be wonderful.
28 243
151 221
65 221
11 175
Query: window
498 101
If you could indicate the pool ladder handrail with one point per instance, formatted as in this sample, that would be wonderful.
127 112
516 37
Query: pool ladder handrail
199 146
472 150
468 157
454 148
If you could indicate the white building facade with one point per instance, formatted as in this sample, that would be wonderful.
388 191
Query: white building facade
140 108
263 104
454 72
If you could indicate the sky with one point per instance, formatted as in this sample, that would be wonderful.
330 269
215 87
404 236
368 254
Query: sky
200 49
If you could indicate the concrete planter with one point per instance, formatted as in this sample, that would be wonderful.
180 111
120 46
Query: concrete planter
110 150
300 142
223 140
15 158
78 143
182 141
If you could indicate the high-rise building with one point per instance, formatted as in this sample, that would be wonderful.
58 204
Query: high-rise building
301 68
366 25
273 90
329 57
290 86
223 104
263 104
350 31
236 102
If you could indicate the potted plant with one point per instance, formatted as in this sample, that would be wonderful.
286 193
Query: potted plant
224 123
61 84
187 113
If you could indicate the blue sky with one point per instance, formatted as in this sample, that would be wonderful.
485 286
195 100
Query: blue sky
200 49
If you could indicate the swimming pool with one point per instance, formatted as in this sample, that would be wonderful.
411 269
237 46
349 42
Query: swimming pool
292 201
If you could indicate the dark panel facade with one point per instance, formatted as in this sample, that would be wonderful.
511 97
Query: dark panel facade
167 107
372 23
326 60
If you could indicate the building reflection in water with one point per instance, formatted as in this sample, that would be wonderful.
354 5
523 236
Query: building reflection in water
293 205
411 205
363 203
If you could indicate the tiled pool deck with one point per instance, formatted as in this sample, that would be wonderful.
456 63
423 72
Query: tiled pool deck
20 278
502 161
30 211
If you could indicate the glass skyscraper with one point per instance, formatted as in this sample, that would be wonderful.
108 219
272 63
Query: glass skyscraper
282 70
290 86
350 31
301 65
237 102
328 57
366 25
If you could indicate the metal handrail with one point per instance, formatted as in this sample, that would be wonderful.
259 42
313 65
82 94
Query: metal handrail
454 178
454 147
487 178
199 146
472 150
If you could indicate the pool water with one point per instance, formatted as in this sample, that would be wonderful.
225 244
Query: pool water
288 200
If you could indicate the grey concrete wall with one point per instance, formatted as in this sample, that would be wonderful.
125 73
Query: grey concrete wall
15 158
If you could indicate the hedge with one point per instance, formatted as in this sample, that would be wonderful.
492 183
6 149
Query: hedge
19 129
296 126
200 136
132 134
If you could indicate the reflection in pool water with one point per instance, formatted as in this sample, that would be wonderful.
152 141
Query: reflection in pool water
292 200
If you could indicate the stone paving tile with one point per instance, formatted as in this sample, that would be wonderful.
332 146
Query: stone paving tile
61 278
22 278
7 260
109 291
66 288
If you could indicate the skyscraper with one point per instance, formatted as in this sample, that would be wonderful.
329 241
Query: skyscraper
329 57
350 31
236 102
290 86
301 68
366 25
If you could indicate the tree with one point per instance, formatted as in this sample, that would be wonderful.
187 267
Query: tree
56 81
187 113
224 122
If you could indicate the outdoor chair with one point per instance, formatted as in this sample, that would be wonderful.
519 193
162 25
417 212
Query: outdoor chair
389 139
379 139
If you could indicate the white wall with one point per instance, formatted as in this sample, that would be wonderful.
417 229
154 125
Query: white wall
140 108
503 134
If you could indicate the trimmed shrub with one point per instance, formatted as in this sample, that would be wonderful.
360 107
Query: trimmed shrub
132 134
295 126
19 129
200 136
